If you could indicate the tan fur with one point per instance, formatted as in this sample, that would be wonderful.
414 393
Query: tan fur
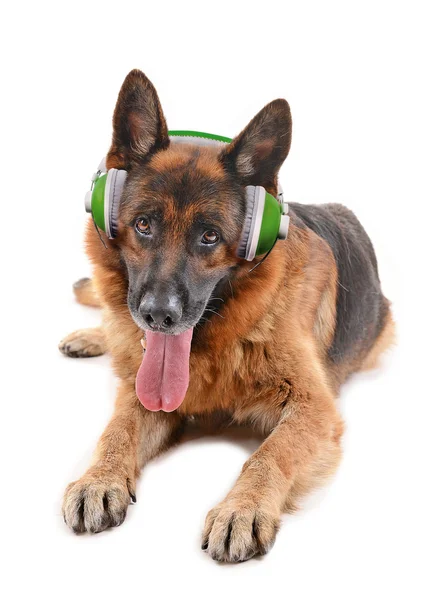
84 343
262 365
262 361
85 292
101 497
386 339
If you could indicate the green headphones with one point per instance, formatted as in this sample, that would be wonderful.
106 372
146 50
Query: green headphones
266 219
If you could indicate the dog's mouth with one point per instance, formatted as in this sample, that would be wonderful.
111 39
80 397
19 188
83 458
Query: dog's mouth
163 377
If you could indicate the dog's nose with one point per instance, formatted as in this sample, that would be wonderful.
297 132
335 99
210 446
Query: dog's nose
160 312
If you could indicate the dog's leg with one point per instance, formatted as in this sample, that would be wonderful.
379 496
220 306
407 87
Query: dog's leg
85 292
100 498
84 343
303 445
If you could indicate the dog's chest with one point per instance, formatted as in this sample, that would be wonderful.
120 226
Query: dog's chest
227 381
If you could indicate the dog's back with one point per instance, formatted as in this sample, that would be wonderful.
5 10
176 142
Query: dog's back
362 310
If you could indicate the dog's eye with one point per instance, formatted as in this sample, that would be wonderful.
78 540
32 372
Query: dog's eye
210 237
143 226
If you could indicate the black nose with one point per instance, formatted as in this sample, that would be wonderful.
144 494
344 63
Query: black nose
160 312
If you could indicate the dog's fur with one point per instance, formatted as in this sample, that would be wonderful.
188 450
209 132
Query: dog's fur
270 350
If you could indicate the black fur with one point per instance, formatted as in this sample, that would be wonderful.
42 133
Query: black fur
361 307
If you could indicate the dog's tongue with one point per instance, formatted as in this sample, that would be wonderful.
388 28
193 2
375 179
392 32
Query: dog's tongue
163 377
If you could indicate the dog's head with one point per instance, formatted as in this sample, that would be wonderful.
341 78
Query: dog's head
183 206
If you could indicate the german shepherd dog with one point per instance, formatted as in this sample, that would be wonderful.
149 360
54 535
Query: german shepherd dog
267 348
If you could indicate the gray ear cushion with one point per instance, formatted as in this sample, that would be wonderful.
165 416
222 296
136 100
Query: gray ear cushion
248 221
116 181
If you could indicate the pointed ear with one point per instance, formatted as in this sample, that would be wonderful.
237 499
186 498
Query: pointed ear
139 127
258 152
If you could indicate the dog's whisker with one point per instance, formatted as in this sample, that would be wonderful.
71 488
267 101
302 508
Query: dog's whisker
215 312
202 322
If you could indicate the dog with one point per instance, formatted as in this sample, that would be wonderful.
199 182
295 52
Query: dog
266 347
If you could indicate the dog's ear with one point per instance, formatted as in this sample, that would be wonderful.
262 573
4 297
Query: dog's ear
258 152
139 127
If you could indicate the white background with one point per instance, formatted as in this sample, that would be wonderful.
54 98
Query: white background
362 79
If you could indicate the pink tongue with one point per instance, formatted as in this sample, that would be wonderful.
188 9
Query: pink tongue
163 377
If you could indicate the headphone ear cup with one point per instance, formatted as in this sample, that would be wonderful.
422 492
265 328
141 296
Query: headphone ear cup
112 200
94 201
255 199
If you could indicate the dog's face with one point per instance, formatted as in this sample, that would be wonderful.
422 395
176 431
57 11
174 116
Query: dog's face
183 206
182 217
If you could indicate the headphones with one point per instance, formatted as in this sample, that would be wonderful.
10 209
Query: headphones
266 220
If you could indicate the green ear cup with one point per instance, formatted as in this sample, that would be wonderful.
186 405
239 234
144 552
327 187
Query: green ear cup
266 220
270 224
98 202
104 198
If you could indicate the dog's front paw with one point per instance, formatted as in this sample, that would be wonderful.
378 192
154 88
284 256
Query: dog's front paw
238 529
96 501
